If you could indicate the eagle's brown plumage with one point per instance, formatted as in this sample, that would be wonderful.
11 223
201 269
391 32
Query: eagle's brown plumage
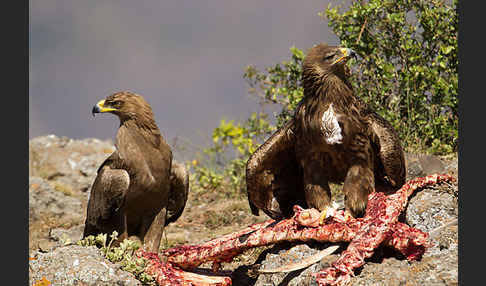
334 137
138 189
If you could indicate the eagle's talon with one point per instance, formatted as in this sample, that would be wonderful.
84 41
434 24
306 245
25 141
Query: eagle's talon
348 216
216 266
323 216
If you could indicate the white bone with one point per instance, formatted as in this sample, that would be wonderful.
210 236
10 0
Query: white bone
303 263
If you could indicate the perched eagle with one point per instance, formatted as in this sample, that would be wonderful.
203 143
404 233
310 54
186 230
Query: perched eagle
334 137
138 189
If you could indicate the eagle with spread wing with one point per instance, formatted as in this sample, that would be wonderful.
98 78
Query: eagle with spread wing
139 189
334 137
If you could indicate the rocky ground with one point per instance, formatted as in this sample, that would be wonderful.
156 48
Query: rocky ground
61 171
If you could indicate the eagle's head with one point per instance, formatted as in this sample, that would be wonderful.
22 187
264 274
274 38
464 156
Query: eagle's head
322 60
126 105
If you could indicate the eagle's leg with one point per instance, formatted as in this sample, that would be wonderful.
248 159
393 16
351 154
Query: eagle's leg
152 230
124 231
120 226
358 184
316 187
116 222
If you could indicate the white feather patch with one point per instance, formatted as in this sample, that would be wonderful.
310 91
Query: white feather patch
330 127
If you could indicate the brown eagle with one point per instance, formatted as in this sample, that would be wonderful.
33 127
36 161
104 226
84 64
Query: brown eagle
138 189
334 137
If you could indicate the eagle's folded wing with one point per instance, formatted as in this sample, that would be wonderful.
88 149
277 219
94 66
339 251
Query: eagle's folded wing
179 189
106 200
390 150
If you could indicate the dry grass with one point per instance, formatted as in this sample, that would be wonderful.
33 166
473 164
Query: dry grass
208 215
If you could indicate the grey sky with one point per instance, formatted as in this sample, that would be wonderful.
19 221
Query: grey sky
185 57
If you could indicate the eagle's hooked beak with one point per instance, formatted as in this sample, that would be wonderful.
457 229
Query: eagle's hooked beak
345 54
100 107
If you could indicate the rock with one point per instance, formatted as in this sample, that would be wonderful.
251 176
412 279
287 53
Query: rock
419 165
431 164
436 270
431 208
50 208
45 198
46 245
279 256
70 162
69 235
61 173
414 169
77 265
52 212
452 164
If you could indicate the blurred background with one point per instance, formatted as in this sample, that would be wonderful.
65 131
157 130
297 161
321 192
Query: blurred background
187 58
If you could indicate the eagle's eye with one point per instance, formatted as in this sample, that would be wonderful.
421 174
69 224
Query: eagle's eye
116 104
113 103
328 57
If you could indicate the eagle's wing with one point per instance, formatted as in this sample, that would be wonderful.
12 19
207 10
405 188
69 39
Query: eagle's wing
179 189
106 198
390 150
273 175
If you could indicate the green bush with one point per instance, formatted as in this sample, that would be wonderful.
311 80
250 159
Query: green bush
223 164
407 72
408 66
